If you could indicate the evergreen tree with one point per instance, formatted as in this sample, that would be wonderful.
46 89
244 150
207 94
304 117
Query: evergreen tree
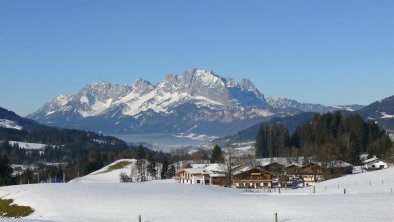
164 169
349 134
271 140
171 172
140 164
5 171
217 156
151 168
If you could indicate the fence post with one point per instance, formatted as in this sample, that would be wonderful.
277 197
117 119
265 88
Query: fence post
276 217
344 190
314 189
139 218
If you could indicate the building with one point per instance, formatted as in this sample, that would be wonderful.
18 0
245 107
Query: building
275 168
374 163
192 176
292 169
311 172
185 163
204 174
252 179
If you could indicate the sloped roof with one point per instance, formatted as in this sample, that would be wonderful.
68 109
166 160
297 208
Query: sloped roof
370 160
341 164
212 169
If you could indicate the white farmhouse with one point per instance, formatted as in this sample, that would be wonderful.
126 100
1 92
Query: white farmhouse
204 174
374 163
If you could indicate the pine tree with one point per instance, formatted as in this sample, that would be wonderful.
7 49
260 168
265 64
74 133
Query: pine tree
5 171
217 156
140 164
151 168
164 169
171 172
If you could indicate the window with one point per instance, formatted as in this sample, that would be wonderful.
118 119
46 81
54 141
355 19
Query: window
198 181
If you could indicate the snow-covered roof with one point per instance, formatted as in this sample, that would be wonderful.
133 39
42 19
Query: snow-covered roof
212 169
197 170
215 167
241 170
341 164
294 164
281 160
370 160
198 165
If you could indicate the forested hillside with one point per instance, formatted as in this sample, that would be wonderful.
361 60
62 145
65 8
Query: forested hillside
290 123
332 135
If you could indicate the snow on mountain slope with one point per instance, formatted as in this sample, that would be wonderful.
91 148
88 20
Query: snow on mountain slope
285 103
5 123
168 201
199 101
181 104
386 116
28 146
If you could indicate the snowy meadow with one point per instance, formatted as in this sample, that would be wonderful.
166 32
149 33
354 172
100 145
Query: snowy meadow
100 197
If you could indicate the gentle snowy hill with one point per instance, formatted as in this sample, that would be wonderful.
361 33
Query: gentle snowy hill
108 174
168 201
111 173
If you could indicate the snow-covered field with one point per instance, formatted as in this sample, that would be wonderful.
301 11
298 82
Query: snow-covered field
369 198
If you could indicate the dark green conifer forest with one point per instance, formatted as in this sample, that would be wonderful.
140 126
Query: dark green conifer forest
341 136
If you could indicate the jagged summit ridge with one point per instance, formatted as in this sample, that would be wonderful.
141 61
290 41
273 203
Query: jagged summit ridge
198 101
180 102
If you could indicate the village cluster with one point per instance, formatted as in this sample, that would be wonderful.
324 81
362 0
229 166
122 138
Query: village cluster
269 172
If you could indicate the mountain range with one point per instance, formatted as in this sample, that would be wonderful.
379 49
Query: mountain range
199 101
381 112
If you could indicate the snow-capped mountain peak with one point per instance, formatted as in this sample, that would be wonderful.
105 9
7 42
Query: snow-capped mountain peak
140 86
180 103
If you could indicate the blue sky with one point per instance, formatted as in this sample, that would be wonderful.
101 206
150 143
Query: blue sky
328 52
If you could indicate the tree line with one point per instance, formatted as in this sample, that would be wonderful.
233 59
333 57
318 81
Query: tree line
336 135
